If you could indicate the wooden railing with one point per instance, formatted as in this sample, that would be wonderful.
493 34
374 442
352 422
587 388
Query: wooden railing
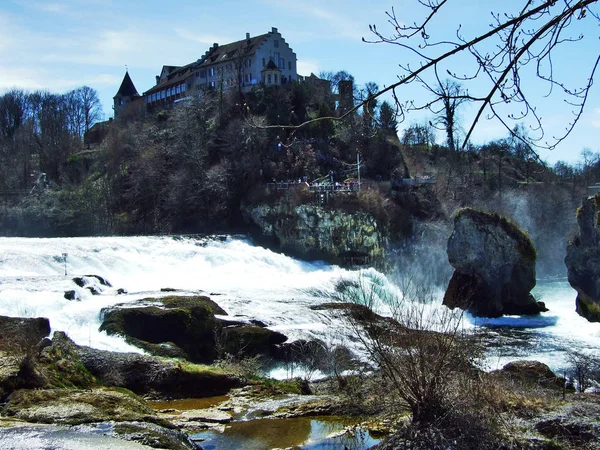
320 187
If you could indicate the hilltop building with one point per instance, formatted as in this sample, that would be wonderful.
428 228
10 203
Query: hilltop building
265 59
126 94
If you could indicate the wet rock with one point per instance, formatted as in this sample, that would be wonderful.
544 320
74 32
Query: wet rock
583 260
494 264
186 322
21 333
152 435
210 415
156 377
73 406
61 365
86 279
186 326
20 341
71 295
314 232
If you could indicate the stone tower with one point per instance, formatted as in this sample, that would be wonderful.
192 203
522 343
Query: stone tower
125 95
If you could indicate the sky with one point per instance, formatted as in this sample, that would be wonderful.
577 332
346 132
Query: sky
64 44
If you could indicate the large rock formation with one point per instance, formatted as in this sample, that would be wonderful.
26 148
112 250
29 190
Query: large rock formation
186 327
495 266
583 260
314 232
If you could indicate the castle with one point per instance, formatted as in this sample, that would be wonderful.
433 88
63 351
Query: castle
260 60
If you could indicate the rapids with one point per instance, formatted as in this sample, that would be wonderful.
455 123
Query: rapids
248 282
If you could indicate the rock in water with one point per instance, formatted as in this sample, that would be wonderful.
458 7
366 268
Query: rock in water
494 264
583 260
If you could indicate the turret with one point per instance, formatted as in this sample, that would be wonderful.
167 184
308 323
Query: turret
125 95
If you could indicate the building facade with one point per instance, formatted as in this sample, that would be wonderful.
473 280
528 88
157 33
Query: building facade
266 59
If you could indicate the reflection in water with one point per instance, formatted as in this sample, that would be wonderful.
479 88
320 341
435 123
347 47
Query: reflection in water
188 404
310 434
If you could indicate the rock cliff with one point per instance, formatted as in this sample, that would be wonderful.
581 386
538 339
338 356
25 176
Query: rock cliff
494 264
314 232
583 260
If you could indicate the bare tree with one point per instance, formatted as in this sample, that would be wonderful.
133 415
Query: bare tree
83 109
584 368
523 42
452 96
500 59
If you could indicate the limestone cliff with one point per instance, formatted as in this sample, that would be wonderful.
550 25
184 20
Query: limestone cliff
583 260
314 232
495 266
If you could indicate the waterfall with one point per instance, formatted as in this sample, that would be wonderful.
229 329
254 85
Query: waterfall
248 282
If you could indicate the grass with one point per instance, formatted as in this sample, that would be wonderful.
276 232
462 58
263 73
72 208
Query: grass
189 367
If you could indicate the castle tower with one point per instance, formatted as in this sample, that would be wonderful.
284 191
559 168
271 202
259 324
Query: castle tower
125 95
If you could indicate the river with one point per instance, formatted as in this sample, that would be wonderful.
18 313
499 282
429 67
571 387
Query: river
248 282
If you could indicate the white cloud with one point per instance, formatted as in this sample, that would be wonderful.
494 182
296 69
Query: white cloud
307 66
53 7
336 23
206 39
21 78
595 119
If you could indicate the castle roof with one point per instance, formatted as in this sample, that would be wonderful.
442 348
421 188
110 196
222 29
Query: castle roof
271 66
177 75
227 52
127 88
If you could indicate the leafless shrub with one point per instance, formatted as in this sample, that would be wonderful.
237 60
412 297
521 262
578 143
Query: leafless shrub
584 369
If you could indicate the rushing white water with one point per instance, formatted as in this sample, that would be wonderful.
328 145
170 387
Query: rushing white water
252 283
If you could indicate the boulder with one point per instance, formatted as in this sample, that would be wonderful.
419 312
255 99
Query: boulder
533 372
314 232
583 260
186 327
20 342
494 264
73 406
18 333
157 377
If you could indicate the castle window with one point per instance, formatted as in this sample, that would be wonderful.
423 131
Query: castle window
289 65
163 94
178 89
203 73
281 63
276 43
275 78
183 87
269 78
211 72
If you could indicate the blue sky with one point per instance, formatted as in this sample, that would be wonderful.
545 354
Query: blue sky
63 44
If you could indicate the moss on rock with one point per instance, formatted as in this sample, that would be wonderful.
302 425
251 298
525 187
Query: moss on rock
73 406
